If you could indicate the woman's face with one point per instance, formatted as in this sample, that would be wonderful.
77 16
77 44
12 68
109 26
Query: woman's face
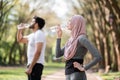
69 25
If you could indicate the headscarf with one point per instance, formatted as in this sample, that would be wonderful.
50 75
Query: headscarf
77 23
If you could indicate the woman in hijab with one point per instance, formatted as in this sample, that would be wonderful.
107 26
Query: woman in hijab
75 49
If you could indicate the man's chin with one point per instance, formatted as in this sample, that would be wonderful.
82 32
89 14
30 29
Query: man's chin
31 27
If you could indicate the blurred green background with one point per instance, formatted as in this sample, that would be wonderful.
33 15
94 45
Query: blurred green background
102 25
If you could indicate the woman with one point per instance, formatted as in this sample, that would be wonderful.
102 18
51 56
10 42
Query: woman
75 49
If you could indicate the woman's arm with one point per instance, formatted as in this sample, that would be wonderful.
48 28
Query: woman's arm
94 52
59 51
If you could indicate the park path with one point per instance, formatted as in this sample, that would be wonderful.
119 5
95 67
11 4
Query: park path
59 75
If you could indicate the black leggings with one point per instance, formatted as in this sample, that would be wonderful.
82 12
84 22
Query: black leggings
36 72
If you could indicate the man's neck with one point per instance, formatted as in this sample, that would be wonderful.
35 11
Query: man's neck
34 30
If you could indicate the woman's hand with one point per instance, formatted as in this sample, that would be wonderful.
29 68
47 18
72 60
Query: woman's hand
59 31
78 66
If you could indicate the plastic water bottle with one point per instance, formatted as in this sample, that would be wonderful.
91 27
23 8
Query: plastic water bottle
22 26
53 28
27 25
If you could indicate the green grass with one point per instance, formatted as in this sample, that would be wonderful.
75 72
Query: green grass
52 67
12 73
110 75
17 73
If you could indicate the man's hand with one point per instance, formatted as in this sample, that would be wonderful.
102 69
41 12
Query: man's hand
78 66
28 71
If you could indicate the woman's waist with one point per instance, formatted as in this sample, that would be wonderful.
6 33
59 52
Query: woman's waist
69 67
74 60
69 63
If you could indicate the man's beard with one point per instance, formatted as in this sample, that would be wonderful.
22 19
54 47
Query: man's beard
32 26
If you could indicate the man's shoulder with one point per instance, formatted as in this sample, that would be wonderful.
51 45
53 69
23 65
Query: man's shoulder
39 32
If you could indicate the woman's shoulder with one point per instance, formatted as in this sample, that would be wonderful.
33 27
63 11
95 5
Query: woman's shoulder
82 38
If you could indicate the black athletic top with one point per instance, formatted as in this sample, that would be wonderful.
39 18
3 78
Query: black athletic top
82 47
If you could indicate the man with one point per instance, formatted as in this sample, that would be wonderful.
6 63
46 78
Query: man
36 47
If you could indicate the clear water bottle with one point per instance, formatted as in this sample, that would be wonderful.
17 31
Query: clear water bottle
53 28
22 26
27 25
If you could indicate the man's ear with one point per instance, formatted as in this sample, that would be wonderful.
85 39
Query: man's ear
37 25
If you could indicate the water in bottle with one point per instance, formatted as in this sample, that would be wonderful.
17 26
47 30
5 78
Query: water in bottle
27 25
53 28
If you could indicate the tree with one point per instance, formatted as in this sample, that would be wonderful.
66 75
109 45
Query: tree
104 28
5 8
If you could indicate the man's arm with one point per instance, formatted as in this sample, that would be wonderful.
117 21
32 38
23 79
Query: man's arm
38 48
20 37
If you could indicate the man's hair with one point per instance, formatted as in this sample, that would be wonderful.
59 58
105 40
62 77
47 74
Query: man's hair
40 21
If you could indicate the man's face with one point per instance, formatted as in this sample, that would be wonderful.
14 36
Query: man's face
32 26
